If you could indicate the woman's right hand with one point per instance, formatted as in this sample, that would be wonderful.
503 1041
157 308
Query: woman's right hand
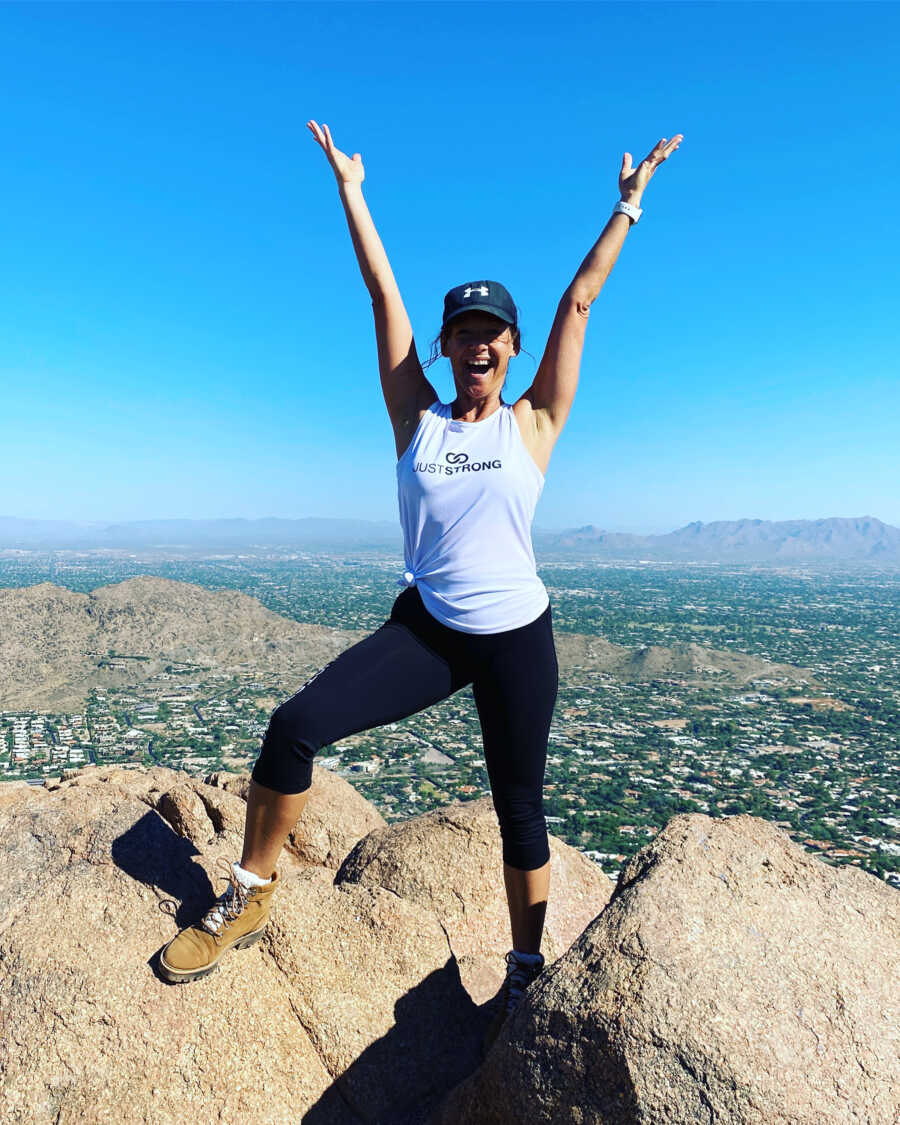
347 170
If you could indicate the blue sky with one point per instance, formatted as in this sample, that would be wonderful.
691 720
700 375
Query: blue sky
183 331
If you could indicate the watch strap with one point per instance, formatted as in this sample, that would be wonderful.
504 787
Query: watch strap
623 208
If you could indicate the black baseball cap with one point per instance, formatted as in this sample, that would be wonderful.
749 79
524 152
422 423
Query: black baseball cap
480 296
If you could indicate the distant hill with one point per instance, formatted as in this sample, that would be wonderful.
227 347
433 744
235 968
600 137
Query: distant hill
863 539
58 644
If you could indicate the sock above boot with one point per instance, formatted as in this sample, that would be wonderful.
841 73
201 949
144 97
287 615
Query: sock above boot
248 878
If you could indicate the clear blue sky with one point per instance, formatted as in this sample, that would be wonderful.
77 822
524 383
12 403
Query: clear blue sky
183 332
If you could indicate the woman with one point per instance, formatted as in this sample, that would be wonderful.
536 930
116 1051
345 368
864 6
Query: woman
473 610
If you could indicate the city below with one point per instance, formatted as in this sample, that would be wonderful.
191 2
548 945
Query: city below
816 750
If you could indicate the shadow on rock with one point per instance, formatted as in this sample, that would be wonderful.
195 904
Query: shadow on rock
150 852
401 1078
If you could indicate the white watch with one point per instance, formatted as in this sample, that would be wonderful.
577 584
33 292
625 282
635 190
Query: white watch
623 208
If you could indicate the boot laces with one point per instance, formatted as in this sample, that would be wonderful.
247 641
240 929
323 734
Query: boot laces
228 906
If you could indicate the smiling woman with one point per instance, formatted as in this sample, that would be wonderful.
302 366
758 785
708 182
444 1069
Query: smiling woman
473 610
488 325
479 343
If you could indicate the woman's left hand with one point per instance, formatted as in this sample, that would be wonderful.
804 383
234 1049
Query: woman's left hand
632 181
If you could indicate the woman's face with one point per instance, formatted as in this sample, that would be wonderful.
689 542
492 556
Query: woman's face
479 347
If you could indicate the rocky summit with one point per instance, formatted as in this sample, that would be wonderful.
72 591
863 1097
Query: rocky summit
728 977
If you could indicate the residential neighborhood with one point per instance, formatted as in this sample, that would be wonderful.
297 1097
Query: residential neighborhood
821 760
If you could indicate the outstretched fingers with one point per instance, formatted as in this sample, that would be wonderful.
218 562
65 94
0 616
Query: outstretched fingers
663 149
316 131
323 135
347 169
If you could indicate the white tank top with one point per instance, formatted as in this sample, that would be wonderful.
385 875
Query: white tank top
467 493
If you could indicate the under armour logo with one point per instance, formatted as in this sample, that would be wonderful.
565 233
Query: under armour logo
457 458
482 289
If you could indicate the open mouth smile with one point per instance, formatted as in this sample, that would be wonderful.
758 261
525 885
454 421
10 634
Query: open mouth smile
478 366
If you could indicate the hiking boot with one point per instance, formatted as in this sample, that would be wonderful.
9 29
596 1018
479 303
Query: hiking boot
521 970
236 919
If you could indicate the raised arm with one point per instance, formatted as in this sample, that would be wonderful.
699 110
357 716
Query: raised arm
553 390
406 390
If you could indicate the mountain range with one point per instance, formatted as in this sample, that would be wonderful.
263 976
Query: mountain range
862 539
846 539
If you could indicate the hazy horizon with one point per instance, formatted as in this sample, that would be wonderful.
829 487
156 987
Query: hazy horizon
537 527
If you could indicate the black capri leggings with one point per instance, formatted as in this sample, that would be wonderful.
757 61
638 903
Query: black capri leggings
411 662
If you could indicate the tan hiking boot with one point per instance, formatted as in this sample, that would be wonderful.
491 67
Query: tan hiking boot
521 970
236 919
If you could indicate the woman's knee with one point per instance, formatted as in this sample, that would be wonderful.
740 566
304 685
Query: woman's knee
523 831
289 746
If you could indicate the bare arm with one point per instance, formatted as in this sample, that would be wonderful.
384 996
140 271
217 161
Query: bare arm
553 390
403 383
